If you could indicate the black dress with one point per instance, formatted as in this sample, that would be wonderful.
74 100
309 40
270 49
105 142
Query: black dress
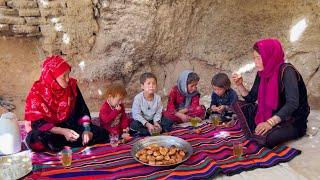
293 108
39 139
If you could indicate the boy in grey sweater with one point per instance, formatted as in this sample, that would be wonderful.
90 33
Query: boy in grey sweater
147 108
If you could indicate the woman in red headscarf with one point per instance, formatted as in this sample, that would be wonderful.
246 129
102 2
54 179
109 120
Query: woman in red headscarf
282 104
57 111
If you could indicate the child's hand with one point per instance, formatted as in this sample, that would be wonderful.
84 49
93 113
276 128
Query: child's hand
183 111
158 126
70 134
118 107
126 137
86 137
185 118
214 108
150 127
220 109
126 130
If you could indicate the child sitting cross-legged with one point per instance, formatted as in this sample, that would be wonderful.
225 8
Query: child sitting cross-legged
147 109
223 96
112 113
184 99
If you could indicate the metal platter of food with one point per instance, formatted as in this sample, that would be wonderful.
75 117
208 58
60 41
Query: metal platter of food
161 151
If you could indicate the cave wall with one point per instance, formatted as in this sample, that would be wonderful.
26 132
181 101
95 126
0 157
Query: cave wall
110 41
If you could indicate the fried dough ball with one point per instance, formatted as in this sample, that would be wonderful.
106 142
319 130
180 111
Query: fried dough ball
179 159
164 151
182 153
143 158
148 157
159 158
159 163
149 152
172 161
156 153
139 153
172 151
152 162
154 145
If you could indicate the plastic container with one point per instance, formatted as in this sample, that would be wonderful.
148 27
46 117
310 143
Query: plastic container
10 139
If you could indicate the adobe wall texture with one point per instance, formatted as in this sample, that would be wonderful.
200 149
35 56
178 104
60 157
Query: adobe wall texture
110 41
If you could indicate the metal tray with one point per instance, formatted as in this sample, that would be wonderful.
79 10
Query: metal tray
162 140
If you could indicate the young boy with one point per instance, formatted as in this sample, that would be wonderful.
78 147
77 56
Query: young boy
223 95
112 113
147 108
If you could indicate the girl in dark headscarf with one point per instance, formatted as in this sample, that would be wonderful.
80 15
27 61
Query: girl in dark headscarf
58 114
282 110
184 99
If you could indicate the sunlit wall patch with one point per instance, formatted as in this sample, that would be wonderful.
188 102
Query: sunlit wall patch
66 39
297 30
82 65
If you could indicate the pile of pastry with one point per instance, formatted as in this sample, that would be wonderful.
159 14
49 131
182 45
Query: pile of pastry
160 155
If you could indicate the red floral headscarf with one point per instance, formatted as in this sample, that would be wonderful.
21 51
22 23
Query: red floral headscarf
47 99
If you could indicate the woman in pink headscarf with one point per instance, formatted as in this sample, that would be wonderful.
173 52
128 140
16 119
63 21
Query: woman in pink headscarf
282 105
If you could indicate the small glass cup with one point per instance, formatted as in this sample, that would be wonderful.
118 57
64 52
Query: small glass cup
194 122
215 120
155 132
312 131
66 156
114 140
238 150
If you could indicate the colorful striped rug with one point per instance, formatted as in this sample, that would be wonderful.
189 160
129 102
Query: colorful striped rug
211 156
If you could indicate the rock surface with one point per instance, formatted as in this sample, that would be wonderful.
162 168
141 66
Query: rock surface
115 41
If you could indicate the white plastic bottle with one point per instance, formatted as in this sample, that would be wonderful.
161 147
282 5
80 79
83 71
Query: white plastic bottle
10 139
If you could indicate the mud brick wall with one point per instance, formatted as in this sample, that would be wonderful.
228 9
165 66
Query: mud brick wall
16 15
63 26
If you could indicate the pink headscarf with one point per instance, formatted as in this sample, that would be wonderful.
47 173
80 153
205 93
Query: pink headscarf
272 56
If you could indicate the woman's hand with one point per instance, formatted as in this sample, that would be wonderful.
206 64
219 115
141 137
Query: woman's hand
262 128
69 134
237 79
86 137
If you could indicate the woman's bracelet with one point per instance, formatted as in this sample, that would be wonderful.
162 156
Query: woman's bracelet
270 122
274 121
87 127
